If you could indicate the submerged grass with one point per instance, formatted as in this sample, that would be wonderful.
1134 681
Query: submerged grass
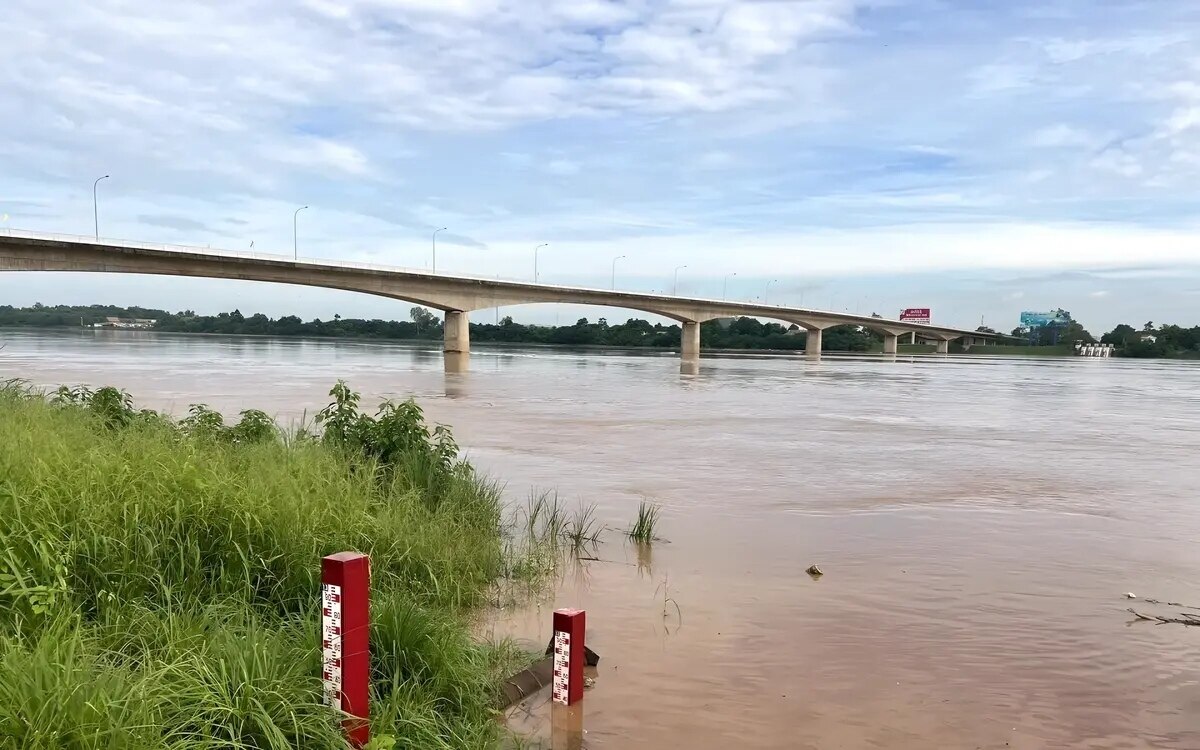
158 581
644 526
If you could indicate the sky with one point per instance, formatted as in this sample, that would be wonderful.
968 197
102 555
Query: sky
978 157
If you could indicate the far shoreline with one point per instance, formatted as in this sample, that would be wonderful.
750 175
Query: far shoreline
905 349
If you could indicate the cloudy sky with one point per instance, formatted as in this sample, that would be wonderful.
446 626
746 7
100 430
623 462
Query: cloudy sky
977 156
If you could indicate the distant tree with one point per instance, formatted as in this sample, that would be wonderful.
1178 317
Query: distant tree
985 329
424 319
1120 336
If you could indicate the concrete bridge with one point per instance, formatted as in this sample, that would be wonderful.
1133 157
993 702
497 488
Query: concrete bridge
456 296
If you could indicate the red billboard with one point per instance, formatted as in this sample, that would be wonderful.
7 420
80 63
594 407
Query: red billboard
915 315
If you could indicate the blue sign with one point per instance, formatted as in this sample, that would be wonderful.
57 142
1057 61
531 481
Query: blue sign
1043 319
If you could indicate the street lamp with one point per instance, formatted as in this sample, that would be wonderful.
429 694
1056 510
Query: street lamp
614 270
295 242
96 205
535 251
767 293
435 247
725 286
675 281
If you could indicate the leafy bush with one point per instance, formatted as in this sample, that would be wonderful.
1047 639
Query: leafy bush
396 436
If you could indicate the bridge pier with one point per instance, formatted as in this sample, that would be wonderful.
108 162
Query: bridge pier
812 343
458 332
689 345
943 346
891 342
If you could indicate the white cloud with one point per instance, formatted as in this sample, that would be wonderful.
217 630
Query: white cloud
562 167
1182 120
716 159
322 153
1118 162
1064 136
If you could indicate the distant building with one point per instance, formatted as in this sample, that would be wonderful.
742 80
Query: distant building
1148 337
114 322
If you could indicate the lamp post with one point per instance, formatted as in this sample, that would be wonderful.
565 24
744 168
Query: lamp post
725 286
96 204
614 270
296 242
435 247
675 281
535 254
767 293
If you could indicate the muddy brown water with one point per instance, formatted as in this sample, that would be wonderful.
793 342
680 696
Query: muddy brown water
978 522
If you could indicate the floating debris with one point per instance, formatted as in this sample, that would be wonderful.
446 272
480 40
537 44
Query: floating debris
814 571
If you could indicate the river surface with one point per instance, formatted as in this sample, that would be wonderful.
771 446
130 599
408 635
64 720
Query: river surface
979 522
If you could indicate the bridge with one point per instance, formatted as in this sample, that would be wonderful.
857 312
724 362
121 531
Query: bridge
455 295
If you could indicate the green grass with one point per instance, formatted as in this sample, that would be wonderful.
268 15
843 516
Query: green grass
158 584
1009 350
643 528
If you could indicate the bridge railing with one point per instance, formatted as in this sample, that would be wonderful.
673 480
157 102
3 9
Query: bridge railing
339 262
226 253
203 249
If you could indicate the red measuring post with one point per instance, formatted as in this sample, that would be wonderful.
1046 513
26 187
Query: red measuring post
345 652
567 684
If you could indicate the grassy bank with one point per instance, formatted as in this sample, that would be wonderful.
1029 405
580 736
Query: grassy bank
158 581
1007 350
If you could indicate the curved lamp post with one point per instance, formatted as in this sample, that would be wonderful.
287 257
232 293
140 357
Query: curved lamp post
295 242
435 247
614 270
96 204
535 254
675 281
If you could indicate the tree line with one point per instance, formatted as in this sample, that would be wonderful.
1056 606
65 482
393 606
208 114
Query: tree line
1162 341
736 333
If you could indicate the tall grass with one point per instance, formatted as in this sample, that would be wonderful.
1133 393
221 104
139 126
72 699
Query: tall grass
644 526
158 580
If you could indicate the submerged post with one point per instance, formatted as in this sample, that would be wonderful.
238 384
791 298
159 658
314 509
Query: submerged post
345 651
567 684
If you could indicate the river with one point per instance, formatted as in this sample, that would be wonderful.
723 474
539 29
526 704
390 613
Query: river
979 522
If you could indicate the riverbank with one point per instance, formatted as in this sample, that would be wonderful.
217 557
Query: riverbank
994 350
159 578
509 345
